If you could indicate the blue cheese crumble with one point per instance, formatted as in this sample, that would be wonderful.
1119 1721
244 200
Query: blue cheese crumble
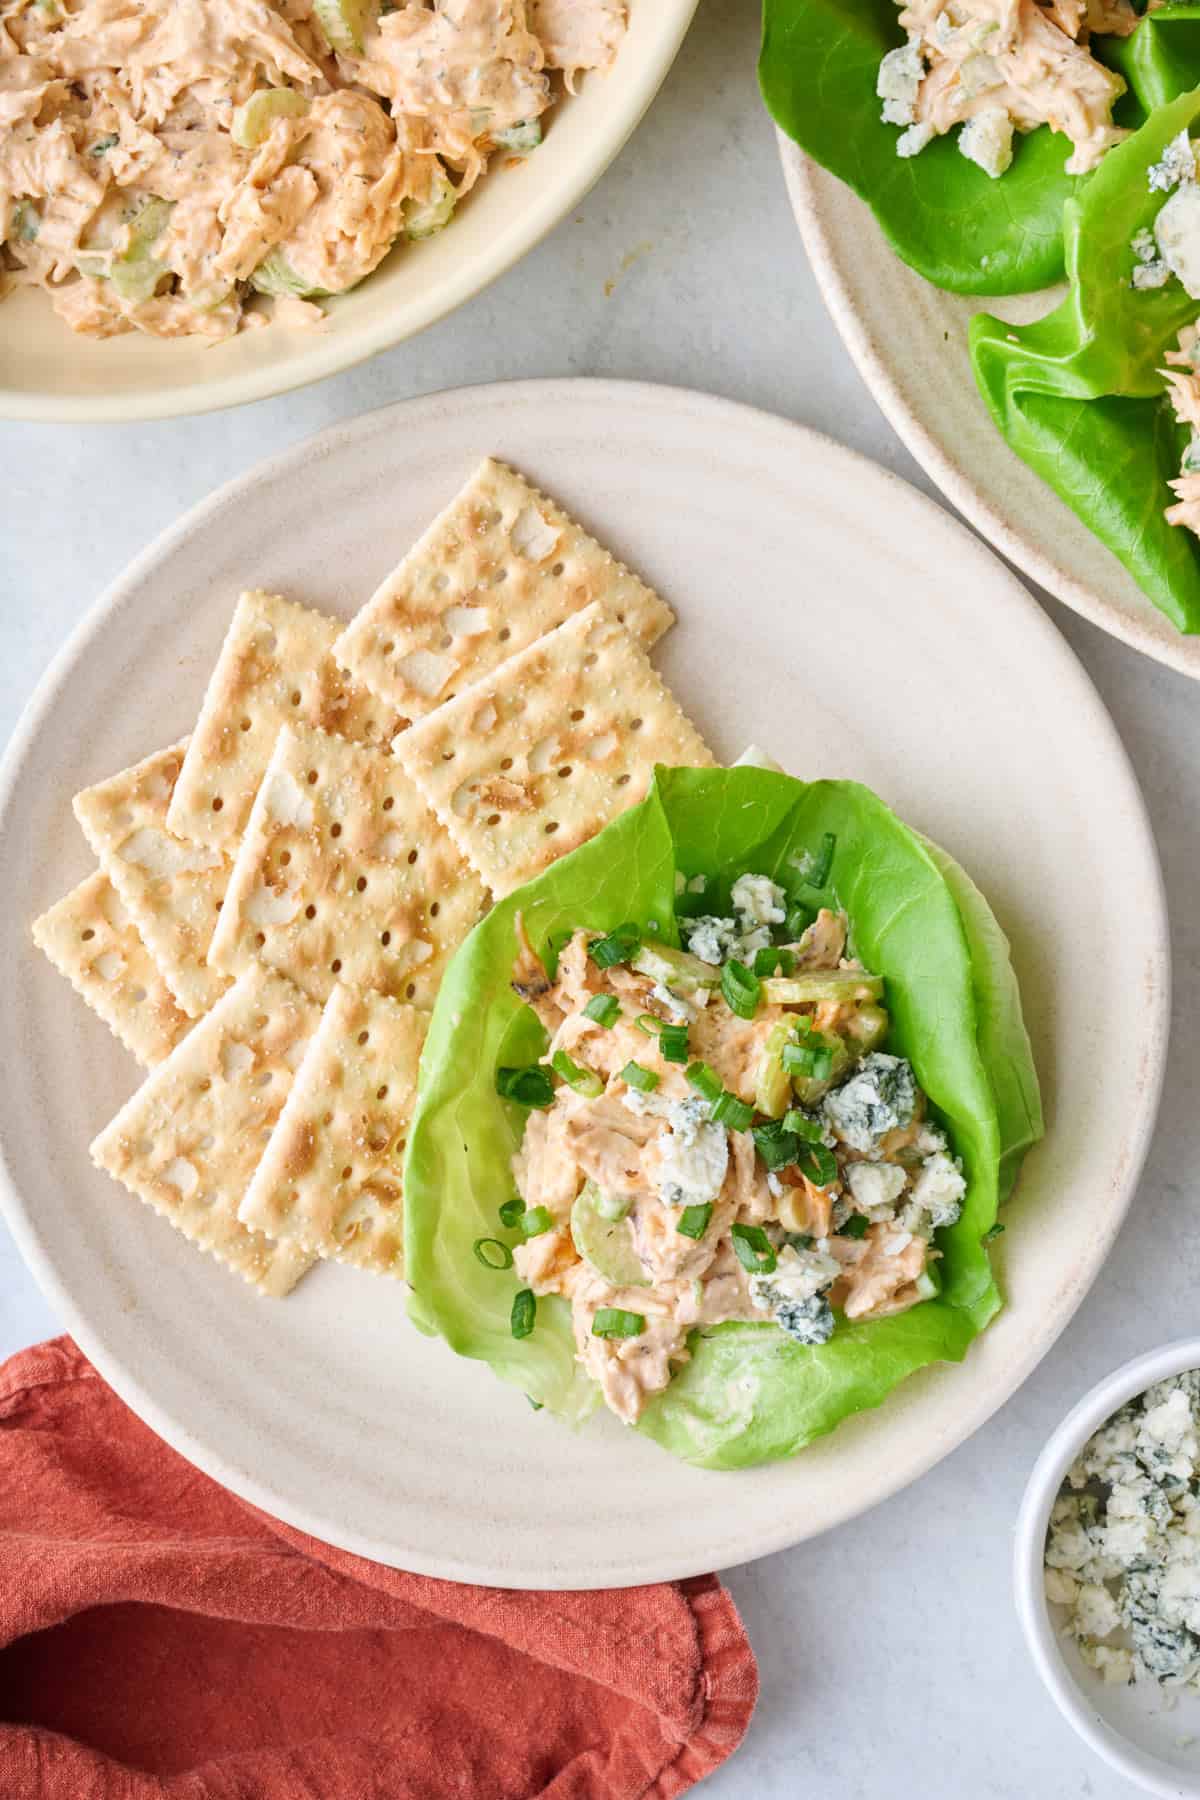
881 1096
794 1293
758 903
1122 1553
695 1156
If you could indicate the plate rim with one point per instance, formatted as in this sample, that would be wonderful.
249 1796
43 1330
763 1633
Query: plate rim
20 1214
811 190
331 355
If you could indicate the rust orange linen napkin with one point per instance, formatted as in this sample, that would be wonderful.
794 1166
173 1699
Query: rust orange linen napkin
160 1640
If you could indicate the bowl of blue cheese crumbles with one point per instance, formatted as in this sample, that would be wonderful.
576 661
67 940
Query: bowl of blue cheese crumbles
1108 1568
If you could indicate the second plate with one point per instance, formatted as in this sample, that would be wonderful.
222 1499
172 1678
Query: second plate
921 377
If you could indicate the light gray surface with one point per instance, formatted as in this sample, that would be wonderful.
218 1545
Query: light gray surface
889 1651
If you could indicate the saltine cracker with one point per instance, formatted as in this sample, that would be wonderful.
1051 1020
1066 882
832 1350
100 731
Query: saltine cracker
527 765
274 669
330 1178
500 567
344 874
91 939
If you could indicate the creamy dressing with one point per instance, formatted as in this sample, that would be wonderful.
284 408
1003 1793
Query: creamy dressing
141 194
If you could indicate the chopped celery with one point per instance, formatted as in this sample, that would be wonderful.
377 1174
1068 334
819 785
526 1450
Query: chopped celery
423 218
868 1026
275 275
26 222
676 969
809 1088
252 120
772 1083
133 271
815 985
343 22
521 139
606 1244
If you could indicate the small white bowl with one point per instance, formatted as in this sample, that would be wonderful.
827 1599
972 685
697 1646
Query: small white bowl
1154 1744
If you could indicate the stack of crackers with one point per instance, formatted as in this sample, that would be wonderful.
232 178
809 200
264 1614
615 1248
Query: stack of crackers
278 895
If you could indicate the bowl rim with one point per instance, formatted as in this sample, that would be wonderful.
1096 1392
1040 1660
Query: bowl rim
1140 1766
332 354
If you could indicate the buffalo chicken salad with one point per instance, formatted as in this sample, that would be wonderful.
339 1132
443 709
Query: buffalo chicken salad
717 1135
163 165
716 1116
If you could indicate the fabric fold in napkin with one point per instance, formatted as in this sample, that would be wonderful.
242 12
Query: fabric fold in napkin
160 1640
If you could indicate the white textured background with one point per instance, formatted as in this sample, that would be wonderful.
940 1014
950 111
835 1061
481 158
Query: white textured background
890 1657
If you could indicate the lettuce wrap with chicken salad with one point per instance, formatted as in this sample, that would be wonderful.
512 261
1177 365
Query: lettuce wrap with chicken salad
965 229
1084 395
746 1391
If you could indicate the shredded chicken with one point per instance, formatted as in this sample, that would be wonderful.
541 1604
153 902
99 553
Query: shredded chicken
656 1218
164 161
1183 389
995 66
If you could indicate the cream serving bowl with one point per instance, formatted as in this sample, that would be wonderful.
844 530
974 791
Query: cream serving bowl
49 373
1135 1729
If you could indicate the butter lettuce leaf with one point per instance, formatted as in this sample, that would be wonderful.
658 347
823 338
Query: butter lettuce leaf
748 1394
943 215
1079 394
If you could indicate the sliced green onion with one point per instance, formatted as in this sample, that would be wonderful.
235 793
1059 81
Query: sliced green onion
584 1081
536 1221
693 1220
617 947
644 1080
613 1322
536 1404
811 1059
524 1313
104 144
798 1240
774 961
492 1253
753 1249
528 1086
776 1144
798 920
604 1009
808 1130
857 1227
512 1212
818 875
705 1080
673 1043
993 1231
740 989
731 1111
648 1025
818 1164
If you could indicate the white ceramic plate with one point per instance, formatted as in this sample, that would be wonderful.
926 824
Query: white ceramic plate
825 610
47 372
909 341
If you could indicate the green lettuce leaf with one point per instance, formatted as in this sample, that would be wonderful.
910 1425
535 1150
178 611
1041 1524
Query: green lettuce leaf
748 1394
944 216
1079 394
